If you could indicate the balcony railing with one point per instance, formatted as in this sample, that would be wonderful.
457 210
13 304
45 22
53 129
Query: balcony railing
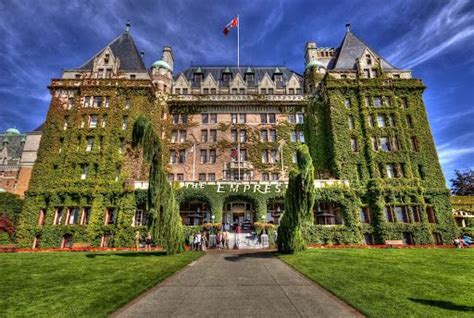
243 165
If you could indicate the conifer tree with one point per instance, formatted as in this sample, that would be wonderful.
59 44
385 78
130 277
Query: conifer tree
164 221
299 202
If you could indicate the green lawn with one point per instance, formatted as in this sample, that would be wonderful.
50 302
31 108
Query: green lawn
395 282
79 284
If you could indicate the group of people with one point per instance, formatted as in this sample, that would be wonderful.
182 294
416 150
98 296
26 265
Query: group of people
463 241
148 241
200 241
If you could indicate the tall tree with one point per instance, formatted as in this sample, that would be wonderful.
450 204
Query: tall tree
463 183
165 221
299 202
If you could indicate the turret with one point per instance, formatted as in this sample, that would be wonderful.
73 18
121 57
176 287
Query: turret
162 71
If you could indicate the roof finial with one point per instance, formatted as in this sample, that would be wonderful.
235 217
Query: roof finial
348 26
127 26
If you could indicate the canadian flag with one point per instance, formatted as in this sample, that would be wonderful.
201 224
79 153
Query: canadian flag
230 25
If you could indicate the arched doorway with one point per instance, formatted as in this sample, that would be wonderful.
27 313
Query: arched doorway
238 212
194 212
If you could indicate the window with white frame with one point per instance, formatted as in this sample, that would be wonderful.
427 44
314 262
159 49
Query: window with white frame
381 121
84 171
138 218
93 121
90 143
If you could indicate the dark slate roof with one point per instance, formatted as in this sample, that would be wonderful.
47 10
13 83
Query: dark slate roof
14 146
124 48
40 127
258 71
350 50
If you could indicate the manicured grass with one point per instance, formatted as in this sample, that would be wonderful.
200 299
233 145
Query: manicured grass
80 284
395 282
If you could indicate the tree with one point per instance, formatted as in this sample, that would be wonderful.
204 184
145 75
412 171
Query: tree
463 183
165 221
299 201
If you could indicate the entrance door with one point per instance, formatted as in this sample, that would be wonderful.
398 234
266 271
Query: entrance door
239 213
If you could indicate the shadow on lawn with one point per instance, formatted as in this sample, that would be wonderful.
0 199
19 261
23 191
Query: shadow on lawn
442 304
127 254
242 256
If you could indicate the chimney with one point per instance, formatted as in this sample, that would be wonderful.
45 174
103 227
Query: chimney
168 56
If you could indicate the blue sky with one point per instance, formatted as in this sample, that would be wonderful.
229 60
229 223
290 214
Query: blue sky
433 38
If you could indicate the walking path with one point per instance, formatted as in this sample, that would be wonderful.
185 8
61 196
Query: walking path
237 284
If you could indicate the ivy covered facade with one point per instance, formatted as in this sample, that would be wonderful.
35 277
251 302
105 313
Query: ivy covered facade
229 141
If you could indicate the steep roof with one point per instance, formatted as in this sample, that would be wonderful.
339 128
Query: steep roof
259 72
351 49
14 147
124 48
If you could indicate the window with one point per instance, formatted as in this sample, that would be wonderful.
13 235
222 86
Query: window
97 102
202 177
368 59
174 136
93 121
367 73
384 144
263 118
381 121
391 120
347 103
205 118
213 118
206 90
377 101
175 119
84 171
133 76
124 122
265 176
421 171
270 91
249 77
371 121
234 91
272 135
264 135
87 101
212 156
182 156
128 103
180 176
292 118
203 136
65 122
388 101
70 103
184 119
213 135
243 154
291 91
185 91
404 102
182 135
58 216
211 176
203 156
173 157
73 216
275 176
86 212
327 213
300 118
350 122
233 134
364 215
41 217
388 213
409 121
233 118
294 158
415 212
243 135
301 136
100 73
431 214
354 145
414 143
401 214
367 101
242 118
138 218
90 143
171 177
390 170
110 215
104 121
271 118
213 91
107 101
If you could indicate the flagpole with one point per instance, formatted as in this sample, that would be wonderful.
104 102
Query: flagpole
238 153
238 43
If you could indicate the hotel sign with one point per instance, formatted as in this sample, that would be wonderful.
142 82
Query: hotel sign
241 187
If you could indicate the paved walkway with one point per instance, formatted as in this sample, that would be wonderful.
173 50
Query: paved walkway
243 284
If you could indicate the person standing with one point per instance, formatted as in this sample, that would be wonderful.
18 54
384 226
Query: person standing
203 242
191 241
148 241
137 240
219 239
225 239
197 241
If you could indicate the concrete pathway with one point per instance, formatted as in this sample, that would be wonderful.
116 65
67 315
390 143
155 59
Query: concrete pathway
237 284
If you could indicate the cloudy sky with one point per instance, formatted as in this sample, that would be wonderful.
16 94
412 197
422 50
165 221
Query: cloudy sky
433 38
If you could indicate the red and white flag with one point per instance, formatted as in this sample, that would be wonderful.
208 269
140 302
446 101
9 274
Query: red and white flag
232 24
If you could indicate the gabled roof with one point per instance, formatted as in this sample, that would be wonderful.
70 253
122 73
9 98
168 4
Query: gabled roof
217 71
350 50
124 48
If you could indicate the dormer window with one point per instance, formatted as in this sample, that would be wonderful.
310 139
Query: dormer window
108 73
278 78
100 73
368 59
198 77
227 77
106 59
249 77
